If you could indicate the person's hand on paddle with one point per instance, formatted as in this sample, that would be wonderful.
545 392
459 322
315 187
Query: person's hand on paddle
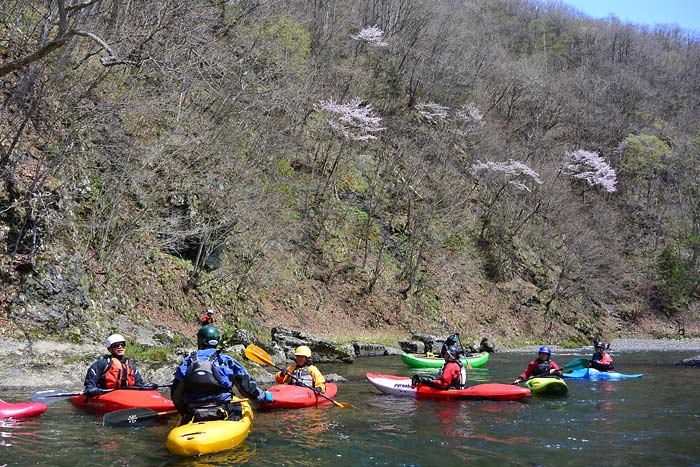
319 390
92 392
518 380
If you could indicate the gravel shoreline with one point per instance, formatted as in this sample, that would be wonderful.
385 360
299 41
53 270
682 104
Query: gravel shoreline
624 345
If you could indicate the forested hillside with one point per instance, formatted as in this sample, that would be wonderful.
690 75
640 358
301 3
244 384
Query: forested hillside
503 167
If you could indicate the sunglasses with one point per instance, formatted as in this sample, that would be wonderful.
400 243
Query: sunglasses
119 344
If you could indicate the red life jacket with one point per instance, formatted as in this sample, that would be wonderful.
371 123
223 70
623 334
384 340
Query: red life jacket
607 359
118 374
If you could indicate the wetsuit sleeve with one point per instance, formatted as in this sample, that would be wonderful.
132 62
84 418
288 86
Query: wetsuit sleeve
319 380
92 378
241 379
528 371
556 368
447 378
177 390
283 379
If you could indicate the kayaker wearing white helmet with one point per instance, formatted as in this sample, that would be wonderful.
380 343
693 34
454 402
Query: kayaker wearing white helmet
304 372
541 366
112 371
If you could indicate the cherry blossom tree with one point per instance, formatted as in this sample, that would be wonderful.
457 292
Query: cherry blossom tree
432 112
354 121
371 35
591 168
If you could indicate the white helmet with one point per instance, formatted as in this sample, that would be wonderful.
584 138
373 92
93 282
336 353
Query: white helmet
114 338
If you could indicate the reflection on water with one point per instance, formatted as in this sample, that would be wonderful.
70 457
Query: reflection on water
238 456
20 432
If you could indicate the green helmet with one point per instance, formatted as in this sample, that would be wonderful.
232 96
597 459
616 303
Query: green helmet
208 336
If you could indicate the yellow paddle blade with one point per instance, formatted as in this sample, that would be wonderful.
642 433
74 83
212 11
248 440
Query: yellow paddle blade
258 355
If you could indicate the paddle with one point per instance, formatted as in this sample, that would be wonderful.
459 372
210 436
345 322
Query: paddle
136 417
464 352
577 364
258 355
140 416
49 396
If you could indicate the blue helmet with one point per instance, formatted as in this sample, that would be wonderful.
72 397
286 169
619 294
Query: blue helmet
545 349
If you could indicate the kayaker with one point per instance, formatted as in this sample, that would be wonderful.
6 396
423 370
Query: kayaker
452 340
452 373
601 360
208 317
541 366
112 371
204 381
302 371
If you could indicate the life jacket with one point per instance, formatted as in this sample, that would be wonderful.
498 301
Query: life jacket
303 376
118 374
203 377
607 359
542 368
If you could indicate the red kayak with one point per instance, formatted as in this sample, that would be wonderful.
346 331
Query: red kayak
21 409
289 396
401 386
120 399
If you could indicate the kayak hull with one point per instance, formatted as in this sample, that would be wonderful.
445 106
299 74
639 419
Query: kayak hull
551 386
288 396
418 361
401 386
21 409
592 373
121 399
197 438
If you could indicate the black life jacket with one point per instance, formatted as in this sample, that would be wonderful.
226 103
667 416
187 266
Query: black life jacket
542 368
202 377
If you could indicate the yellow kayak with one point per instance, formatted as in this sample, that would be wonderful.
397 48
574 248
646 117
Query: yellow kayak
195 438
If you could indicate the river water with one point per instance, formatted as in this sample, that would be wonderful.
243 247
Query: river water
654 421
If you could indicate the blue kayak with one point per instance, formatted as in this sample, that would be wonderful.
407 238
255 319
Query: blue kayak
592 373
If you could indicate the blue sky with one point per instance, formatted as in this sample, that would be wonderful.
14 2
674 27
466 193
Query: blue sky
685 13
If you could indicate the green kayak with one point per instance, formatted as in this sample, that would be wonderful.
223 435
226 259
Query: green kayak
551 385
422 361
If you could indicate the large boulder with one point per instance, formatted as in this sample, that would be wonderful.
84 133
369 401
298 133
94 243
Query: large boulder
431 343
323 350
412 346
487 345
363 349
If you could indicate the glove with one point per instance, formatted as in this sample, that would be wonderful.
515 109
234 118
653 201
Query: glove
318 390
285 372
92 392
518 380
267 396
415 379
